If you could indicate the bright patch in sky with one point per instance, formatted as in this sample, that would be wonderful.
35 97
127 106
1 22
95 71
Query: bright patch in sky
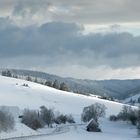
127 27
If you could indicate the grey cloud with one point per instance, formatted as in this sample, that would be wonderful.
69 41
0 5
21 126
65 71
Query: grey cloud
61 44
30 7
86 12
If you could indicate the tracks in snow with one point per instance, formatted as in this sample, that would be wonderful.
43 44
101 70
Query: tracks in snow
58 130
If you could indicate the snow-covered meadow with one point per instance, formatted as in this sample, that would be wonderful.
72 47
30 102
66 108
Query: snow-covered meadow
13 93
18 97
111 131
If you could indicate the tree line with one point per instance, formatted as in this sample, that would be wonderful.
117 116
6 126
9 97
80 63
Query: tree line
55 84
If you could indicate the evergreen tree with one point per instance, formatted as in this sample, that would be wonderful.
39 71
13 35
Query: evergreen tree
36 80
64 87
28 78
56 84
9 74
15 76
6 73
48 83
3 73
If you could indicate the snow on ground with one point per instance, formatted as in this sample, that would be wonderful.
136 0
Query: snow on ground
110 131
12 93
19 130
15 95
132 98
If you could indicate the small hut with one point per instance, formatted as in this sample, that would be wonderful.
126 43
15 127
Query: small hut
93 126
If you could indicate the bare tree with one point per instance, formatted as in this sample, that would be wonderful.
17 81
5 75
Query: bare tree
125 113
47 115
93 111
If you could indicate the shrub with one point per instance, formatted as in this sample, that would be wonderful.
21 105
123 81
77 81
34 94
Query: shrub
61 119
70 119
6 120
113 118
31 119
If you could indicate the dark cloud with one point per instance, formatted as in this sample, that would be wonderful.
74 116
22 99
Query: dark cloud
62 44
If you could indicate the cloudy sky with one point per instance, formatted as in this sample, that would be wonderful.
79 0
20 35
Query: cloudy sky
87 39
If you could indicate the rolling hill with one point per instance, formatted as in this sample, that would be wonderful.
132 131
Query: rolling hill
16 95
119 89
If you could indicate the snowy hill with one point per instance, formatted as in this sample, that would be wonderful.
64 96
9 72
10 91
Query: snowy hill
17 96
133 100
120 89
13 93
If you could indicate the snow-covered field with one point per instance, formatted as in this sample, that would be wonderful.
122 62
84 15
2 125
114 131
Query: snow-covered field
111 131
15 95
12 93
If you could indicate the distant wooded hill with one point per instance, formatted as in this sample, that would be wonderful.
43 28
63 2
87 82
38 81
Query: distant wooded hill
116 88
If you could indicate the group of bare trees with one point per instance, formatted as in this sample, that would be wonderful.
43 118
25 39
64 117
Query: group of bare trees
93 112
128 114
39 118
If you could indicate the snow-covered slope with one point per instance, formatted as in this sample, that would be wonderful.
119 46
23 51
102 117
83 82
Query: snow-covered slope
133 100
119 89
13 93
